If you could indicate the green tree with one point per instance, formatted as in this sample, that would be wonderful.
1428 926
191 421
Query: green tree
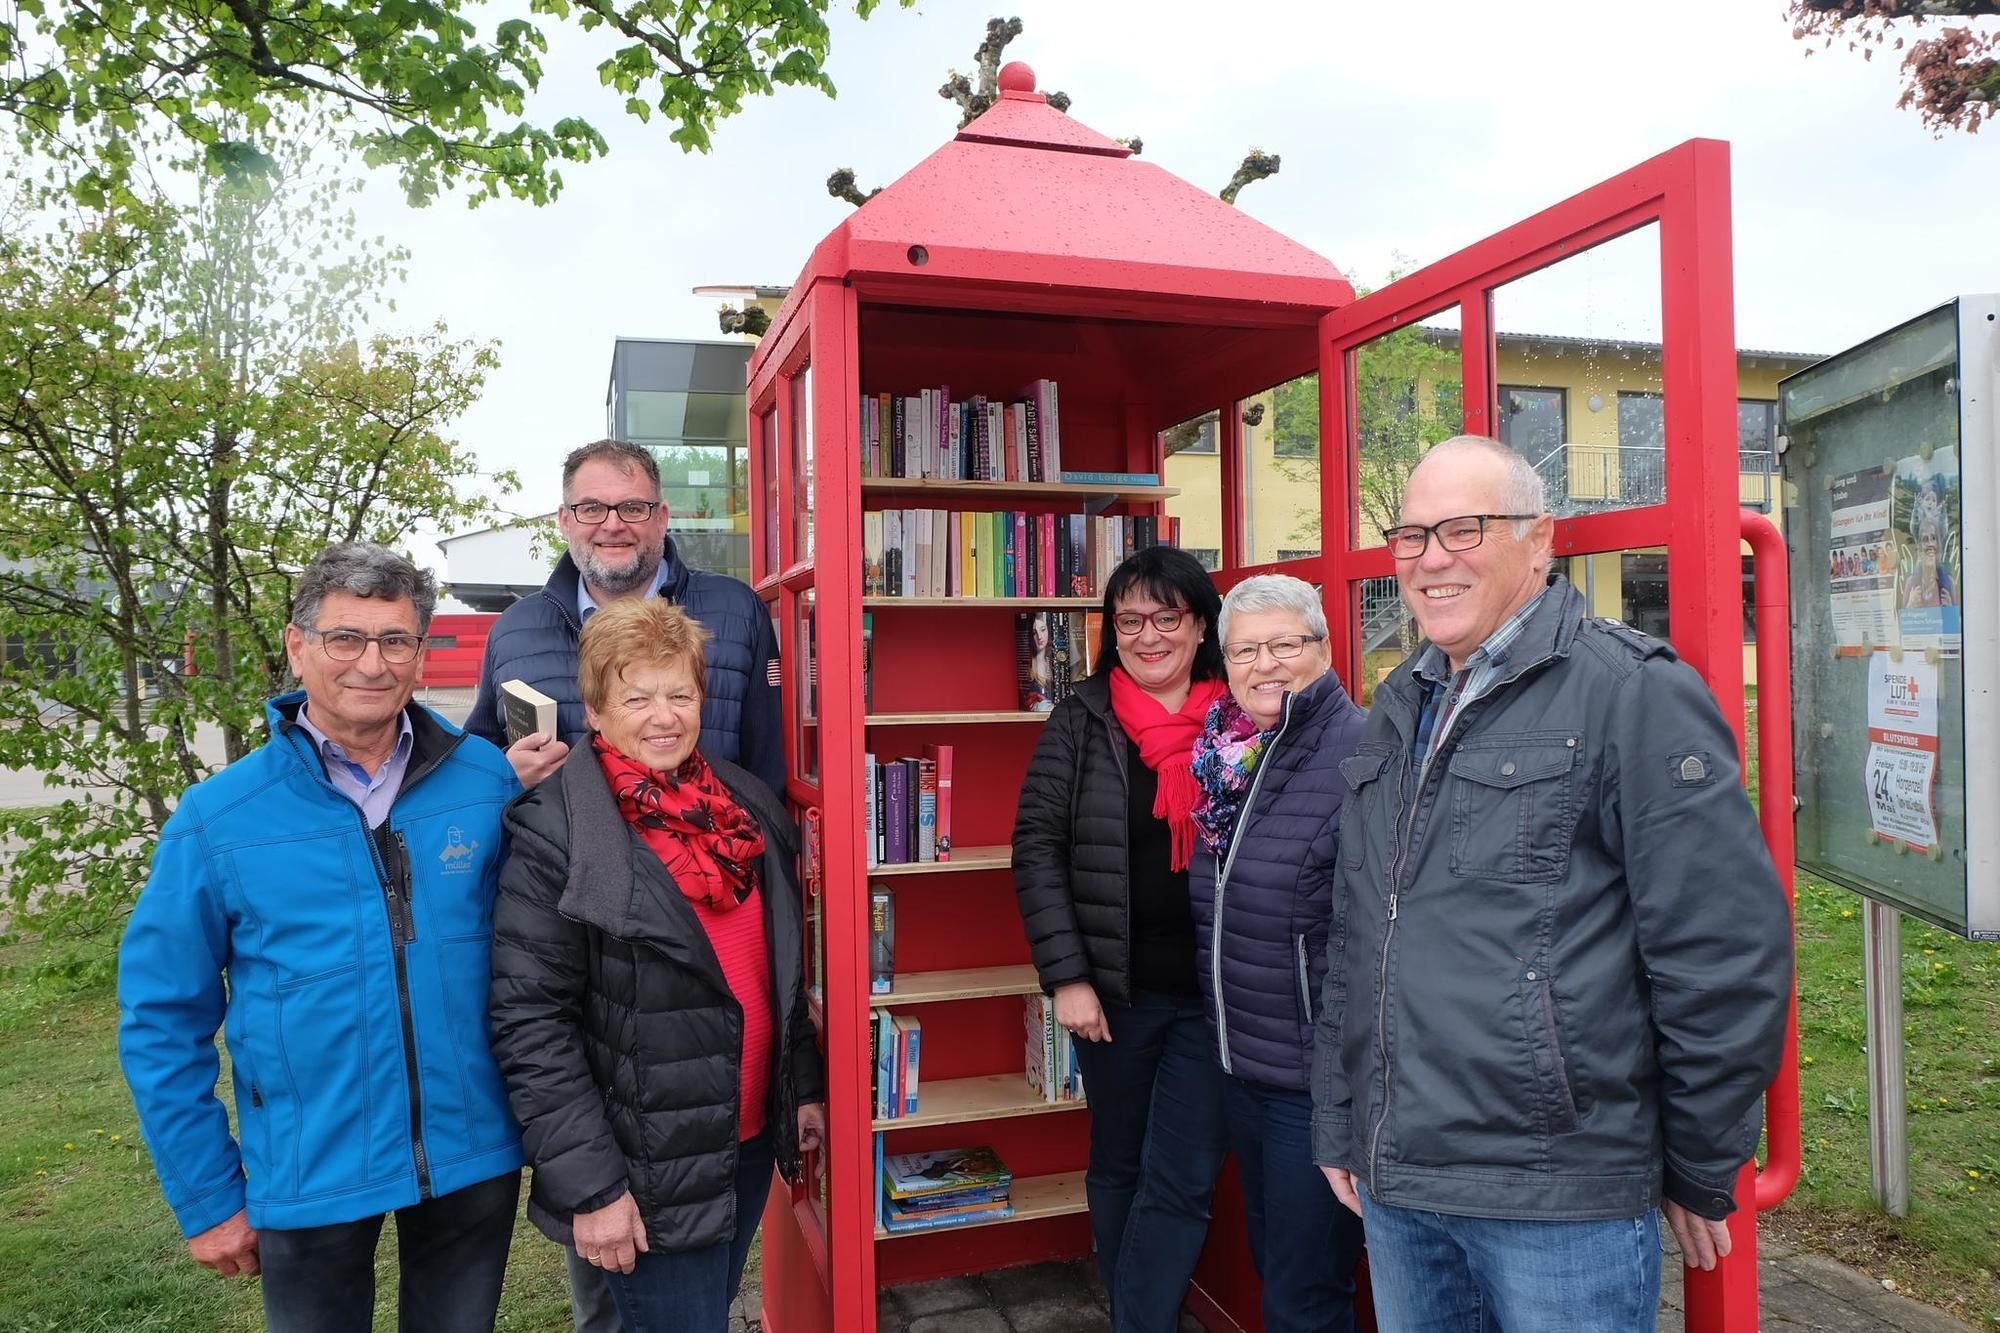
1951 70
1408 395
437 90
188 411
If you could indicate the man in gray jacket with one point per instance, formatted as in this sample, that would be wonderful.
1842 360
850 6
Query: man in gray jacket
1566 957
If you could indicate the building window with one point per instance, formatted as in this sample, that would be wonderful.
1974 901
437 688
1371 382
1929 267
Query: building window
1642 421
1297 553
1533 422
1210 557
1196 436
1643 585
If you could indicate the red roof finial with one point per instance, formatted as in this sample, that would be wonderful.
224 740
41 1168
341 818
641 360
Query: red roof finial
1017 77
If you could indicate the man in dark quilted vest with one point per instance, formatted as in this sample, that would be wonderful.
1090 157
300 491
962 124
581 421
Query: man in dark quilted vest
615 523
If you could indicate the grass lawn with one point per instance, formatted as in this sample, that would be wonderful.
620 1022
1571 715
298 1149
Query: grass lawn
86 1244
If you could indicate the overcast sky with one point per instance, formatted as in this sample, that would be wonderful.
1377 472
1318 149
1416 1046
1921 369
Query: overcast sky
1407 132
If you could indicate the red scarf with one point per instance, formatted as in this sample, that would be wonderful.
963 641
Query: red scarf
708 843
1166 745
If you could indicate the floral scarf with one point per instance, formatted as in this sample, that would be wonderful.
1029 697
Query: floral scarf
1225 761
708 843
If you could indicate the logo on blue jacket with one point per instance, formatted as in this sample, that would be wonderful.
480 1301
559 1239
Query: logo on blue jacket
456 858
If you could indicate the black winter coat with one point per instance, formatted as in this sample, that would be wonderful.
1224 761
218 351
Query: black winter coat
1071 847
615 1030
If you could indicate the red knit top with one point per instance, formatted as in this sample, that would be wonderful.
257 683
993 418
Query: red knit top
737 936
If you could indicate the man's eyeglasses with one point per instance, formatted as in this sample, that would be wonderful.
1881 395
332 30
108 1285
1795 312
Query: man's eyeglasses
346 645
1453 534
1284 648
1129 623
594 512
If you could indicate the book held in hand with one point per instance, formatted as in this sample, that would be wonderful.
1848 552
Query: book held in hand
528 710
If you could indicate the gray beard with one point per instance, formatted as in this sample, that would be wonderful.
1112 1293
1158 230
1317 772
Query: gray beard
618 582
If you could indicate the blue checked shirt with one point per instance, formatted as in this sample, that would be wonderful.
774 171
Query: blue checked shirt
1448 693
373 792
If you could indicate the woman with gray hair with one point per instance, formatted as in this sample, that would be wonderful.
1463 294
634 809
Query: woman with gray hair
1261 884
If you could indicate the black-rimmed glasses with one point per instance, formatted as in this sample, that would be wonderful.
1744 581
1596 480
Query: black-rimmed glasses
594 512
1129 623
1411 540
1283 648
346 645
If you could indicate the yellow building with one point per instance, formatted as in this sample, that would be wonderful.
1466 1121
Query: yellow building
1587 412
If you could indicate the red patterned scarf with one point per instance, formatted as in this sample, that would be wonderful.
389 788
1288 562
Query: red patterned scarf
708 843
1166 745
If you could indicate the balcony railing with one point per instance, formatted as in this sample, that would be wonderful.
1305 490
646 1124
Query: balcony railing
1585 478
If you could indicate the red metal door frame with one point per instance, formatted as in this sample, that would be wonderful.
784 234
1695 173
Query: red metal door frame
1685 192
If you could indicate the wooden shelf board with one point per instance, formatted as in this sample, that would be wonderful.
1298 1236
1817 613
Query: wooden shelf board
939 485
956 1101
934 603
1059 1195
962 858
964 983
948 719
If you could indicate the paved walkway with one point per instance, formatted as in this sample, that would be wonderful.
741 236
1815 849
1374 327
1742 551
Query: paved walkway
1801 1292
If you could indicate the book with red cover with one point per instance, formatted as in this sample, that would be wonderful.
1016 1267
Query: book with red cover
940 757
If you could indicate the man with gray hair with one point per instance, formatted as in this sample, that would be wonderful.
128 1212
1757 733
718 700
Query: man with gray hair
327 902
1566 956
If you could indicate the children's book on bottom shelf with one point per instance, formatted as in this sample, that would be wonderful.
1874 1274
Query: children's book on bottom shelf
926 1190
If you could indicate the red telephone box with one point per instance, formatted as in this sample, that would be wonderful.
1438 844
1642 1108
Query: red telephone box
1031 248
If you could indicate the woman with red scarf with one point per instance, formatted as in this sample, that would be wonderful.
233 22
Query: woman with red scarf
1102 838
648 1011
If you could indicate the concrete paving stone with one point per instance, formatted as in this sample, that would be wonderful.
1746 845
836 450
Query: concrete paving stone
1037 1282
960 1321
888 1319
1813 1307
1832 1276
1775 1247
1671 1321
1057 1315
940 1297
1887 1309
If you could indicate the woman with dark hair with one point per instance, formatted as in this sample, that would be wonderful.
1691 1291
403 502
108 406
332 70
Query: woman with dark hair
1102 839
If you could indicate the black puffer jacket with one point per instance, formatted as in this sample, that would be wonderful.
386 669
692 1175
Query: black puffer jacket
1071 850
614 1028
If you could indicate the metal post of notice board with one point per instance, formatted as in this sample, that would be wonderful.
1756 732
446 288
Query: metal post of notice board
1888 1126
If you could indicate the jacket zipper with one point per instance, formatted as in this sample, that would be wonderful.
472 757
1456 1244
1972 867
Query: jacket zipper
1222 881
402 931
1117 739
1305 984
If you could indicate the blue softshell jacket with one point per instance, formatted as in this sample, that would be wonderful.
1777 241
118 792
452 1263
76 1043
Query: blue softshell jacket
348 972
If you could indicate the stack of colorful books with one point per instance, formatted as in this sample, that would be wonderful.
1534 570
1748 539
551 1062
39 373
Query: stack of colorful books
925 1190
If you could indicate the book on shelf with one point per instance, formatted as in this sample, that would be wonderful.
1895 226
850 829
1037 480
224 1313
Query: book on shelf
927 796
898 1217
1054 651
1051 1052
871 816
1074 478
933 435
909 1060
938 757
528 711
888 1105
881 940
896 796
952 553
915 1175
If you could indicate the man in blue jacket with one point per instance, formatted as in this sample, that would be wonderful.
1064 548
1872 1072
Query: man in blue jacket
327 901
615 524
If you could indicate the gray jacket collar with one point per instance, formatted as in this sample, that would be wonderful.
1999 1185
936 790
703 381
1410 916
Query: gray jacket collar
1548 635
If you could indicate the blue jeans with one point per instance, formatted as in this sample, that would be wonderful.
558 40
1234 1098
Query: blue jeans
451 1256
1435 1273
1303 1242
1156 1145
690 1291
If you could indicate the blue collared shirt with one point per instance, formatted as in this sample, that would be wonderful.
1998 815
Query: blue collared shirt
1481 672
586 604
373 793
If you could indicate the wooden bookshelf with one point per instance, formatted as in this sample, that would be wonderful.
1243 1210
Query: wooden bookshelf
1028 603
1034 1197
950 719
955 1101
962 858
1006 489
965 983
